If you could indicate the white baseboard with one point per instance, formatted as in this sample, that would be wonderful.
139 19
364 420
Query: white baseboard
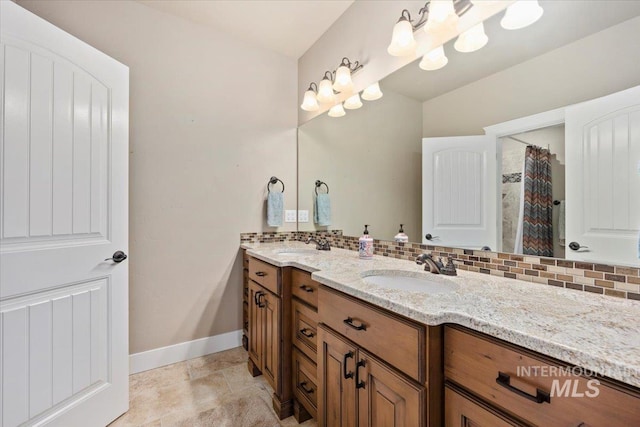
162 356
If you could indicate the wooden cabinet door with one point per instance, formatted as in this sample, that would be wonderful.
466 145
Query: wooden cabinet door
271 343
256 330
337 402
386 399
461 411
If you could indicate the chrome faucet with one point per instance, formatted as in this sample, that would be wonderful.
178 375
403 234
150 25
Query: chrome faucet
321 245
429 263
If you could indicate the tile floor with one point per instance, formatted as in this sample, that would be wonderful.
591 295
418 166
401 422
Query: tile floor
214 390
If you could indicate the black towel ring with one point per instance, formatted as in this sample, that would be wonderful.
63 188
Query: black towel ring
274 180
319 184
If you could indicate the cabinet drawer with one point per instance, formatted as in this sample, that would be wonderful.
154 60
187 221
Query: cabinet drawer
305 329
391 338
264 274
512 378
305 380
462 410
303 287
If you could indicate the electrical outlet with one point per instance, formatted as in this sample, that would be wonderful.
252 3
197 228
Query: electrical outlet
303 216
290 215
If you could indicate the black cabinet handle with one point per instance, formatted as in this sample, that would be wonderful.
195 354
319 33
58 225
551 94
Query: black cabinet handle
260 273
349 321
306 333
541 396
359 384
303 386
255 297
346 374
306 288
260 304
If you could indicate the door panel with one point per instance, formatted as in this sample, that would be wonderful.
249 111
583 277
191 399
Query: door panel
337 403
459 191
461 411
603 178
256 328
271 338
63 204
386 399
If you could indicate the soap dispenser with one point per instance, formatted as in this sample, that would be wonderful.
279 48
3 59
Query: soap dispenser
365 247
401 237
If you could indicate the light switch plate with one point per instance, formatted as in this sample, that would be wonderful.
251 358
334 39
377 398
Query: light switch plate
290 215
303 216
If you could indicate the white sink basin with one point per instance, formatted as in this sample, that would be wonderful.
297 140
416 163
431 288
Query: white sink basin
298 252
408 281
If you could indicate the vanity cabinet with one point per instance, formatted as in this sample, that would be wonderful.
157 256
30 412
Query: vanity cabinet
269 319
245 300
529 387
375 367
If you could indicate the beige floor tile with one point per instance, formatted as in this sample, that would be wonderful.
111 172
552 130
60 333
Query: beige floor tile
203 366
160 377
238 377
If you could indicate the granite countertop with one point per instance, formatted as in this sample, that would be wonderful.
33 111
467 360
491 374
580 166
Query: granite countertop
598 333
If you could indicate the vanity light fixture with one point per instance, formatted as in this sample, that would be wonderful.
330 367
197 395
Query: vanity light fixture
441 13
353 102
434 60
342 81
402 41
372 92
471 40
521 14
337 111
310 100
325 89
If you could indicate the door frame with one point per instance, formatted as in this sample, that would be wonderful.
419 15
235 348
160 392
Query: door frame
512 127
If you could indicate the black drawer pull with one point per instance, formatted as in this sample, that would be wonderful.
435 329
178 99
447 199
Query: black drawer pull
505 381
260 273
255 297
306 333
306 288
359 384
349 321
303 386
260 302
346 374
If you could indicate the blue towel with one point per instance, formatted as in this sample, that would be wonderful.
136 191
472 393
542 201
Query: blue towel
322 211
275 209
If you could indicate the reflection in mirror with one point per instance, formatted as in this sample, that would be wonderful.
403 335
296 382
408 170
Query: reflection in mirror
372 158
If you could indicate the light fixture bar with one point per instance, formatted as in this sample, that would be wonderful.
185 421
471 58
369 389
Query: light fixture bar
325 92
461 7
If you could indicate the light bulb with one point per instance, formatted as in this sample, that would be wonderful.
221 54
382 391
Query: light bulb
325 91
521 14
337 111
434 60
343 82
472 39
402 41
372 93
310 102
442 13
353 102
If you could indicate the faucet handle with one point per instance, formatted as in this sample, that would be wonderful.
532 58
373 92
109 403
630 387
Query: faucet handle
450 268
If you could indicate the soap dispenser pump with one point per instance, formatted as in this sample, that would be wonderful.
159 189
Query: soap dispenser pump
365 247
401 237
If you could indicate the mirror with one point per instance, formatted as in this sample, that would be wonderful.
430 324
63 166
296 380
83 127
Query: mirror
372 158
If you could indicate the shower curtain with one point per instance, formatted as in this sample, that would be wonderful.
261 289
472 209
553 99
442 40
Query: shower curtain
535 230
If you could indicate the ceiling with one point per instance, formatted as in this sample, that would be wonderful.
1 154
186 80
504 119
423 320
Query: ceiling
289 27
563 22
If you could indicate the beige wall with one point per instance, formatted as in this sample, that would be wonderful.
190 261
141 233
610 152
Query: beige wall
591 67
371 161
211 119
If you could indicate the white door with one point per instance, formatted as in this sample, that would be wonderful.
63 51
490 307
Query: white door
603 178
459 191
63 182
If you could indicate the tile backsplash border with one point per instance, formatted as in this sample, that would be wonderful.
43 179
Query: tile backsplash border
607 279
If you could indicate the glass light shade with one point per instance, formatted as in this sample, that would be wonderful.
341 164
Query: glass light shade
434 60
472 39
343 82
486 3
372 93
521 14
325 91
337 111
310 102
402 41
441 13
353 102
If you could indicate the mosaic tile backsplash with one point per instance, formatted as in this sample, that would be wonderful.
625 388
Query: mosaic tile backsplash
617 281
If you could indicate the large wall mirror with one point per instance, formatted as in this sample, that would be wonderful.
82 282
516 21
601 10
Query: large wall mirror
503 148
